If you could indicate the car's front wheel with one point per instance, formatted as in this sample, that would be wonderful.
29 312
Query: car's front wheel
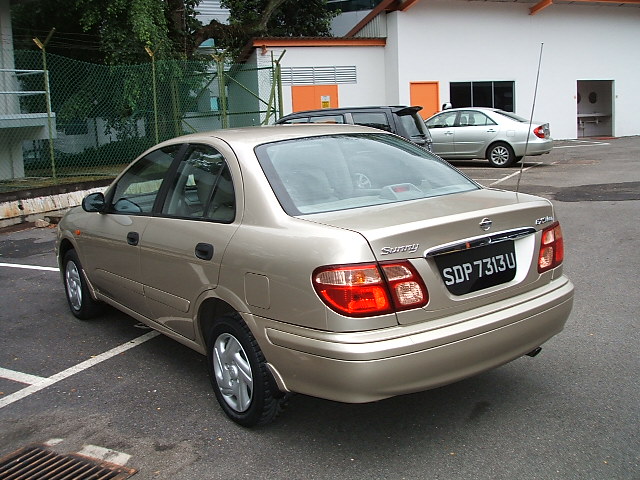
238 370
500 154
78 296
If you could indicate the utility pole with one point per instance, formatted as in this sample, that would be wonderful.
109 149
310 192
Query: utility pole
47 95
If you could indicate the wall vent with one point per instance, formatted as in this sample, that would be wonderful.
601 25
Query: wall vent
319 75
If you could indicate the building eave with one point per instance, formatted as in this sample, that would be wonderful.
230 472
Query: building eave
387 6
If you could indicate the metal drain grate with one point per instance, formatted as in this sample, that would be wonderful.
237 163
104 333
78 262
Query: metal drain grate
37 462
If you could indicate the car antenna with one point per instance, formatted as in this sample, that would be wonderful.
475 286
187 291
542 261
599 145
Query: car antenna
533 106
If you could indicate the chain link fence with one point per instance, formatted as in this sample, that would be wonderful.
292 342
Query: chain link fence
79 121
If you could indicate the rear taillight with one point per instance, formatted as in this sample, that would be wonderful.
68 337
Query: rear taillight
551 248
369 289
539 132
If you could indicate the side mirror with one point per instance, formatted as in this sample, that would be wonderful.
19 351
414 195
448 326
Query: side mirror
94 202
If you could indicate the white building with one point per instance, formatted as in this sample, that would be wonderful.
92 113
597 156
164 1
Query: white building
478 52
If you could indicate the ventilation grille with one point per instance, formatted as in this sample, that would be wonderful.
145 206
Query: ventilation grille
318 75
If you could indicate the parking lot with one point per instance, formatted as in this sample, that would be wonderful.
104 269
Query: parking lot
573 412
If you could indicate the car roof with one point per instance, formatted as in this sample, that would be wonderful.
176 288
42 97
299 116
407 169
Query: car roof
480 109
252 136
393 108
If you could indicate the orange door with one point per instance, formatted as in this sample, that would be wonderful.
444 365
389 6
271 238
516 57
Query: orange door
312 97
427 95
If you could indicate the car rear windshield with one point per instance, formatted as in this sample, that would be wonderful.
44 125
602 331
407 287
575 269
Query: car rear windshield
413 125
512 116
340 172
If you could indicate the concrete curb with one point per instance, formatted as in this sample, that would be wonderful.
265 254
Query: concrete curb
38 208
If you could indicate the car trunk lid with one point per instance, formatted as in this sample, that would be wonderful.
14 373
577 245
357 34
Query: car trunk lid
455 242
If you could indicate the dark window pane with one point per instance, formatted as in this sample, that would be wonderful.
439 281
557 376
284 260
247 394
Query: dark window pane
503 96
482 94
460 94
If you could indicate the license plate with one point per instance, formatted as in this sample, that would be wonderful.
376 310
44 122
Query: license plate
477 268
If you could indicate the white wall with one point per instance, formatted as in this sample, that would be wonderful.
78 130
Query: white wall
452 40
460 41
368 60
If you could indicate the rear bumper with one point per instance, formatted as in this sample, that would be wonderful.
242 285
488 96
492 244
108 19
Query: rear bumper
369 366
537 147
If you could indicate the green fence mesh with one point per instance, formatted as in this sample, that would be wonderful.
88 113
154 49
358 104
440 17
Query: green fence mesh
102 117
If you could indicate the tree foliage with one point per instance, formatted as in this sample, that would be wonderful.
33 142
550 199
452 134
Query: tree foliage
276 18
117 31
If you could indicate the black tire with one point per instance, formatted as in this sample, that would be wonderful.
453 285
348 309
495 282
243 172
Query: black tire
500 155
82 305
243 385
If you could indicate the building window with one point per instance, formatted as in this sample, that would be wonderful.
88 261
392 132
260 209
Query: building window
482 94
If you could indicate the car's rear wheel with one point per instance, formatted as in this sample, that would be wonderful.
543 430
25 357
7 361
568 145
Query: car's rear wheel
78 296
500 155
238 370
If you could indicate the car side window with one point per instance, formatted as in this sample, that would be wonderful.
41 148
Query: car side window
296 120
327 119
137 189
371 119
444 120
203 187
479 119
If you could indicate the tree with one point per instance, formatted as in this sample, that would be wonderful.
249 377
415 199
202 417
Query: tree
116 31
274 18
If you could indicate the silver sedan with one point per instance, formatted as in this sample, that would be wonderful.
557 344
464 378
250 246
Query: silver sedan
501 137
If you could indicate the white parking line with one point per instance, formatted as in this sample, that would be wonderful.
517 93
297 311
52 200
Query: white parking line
20 377
30 267
583 143
41 383
514 174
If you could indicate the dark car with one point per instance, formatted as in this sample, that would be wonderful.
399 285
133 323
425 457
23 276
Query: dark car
401 120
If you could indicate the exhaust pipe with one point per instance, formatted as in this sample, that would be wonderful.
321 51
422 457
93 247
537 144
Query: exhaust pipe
534 352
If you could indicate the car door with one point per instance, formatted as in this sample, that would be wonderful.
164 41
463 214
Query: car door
182 247
442 129
110 242
473 133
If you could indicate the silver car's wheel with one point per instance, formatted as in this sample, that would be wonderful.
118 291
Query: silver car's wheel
233 372
500 155
243 385
76 289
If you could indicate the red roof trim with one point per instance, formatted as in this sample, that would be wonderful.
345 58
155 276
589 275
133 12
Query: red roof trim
319 42
385 5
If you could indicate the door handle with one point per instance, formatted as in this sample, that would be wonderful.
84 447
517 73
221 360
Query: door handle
204 251
491 130
133 238
448 133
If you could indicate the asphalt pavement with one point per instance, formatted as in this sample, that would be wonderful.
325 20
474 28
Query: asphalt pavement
572 412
